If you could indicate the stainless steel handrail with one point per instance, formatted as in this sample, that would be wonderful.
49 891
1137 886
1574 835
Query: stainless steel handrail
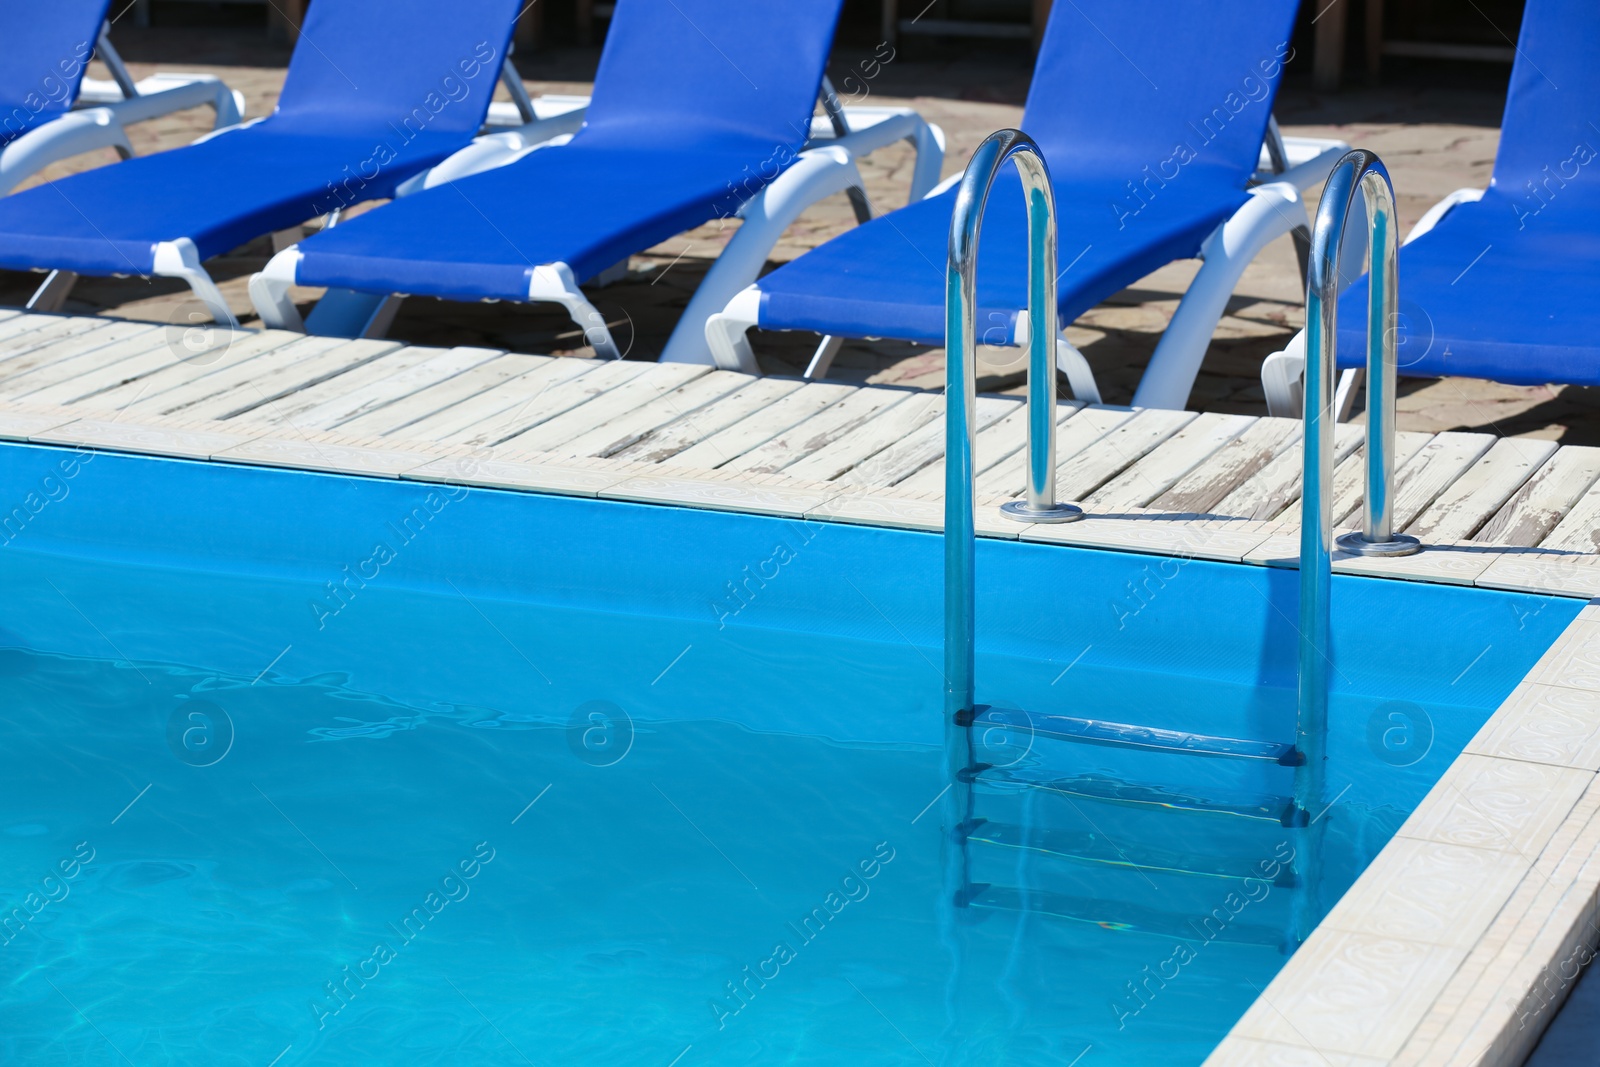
961 300
1359 173
960 529
1364 173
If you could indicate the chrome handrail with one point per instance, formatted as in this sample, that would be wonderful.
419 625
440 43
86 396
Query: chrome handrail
1363 172
960 528
961 300
1359 173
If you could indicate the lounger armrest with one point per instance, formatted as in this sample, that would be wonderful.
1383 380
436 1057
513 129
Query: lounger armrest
488 152
816 173
1310 160
1273 210
161 94
872 128
1437 212
62 138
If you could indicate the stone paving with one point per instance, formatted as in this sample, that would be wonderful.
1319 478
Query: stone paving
1434 140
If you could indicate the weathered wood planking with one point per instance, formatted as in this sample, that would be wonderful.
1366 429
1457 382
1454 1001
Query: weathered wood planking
772 445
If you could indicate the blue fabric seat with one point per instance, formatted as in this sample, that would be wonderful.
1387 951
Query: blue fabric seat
1508 288
47 50
375 93
697 105
886 278
1151 117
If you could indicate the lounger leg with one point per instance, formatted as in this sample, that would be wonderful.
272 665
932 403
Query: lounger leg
1282 379
54 292
1344 397
180 259
1080 376
554 283
726 333
340 312
823 357
269 292
1272 211
817 173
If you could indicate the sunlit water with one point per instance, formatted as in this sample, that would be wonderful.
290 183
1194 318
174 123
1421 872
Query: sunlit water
610 862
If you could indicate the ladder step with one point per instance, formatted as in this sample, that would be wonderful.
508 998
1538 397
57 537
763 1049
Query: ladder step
1096 848
1120 916
1265 807
1144 738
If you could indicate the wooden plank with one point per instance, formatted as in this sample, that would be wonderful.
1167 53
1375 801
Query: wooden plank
516 392
1207 485
248 407
819 431
681 403
1350 474
1116 451
1419 480
1469 501
761 425
548 403
484 378
1169 461
31 331
1075 431
702 424
79 328
270 376
10 315
926 445
601 409
75 355
1275 489
352 394
118 383
1580 530
861 446
1539 505
996 445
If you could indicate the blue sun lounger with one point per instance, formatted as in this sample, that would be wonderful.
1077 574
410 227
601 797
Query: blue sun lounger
47 49
377 91
702 109
1502 283
1152 117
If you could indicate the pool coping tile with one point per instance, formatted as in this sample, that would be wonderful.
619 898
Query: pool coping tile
17 424
912 511
1446 946
529 475
1533 570
320 453
793 500
173 441
1159 533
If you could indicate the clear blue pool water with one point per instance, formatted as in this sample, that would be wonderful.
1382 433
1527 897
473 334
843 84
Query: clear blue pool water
537 785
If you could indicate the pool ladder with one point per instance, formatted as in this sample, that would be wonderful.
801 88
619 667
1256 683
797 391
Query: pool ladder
1359 173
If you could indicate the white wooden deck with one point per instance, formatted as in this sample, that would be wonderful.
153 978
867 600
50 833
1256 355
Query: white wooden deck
1503 513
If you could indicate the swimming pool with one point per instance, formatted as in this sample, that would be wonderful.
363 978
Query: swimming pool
343 770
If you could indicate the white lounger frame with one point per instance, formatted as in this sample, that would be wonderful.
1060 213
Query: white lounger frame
1283 373
1273 210
106 108
826 166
